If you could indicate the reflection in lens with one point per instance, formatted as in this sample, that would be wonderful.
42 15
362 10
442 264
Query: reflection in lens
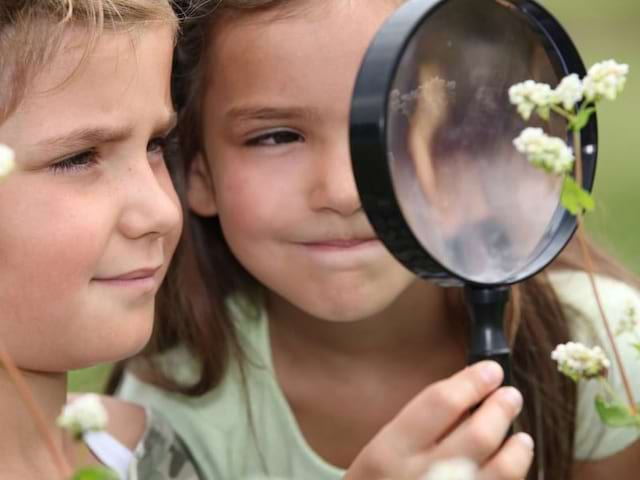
474 203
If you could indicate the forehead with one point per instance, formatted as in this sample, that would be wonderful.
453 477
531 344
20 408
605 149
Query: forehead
122 77
294 51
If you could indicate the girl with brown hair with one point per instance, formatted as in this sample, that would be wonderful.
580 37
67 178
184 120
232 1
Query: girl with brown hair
89 220
290 343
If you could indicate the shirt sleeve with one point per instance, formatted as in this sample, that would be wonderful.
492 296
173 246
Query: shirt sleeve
593 439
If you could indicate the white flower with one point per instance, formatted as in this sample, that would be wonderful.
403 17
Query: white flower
453 469
568 92
578 362
549 153
605 80
83 415
7 161
529 96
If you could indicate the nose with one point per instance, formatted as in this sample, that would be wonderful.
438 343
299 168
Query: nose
152 207
333 186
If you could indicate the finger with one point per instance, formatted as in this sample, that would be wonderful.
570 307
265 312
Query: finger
480 436
437 409
512 462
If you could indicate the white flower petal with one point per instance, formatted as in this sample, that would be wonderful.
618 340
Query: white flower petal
84 414
605 80
549 153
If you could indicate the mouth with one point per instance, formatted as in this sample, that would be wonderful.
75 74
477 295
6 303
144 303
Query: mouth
341 244
145 278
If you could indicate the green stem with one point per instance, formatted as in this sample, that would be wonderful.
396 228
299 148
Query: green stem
562 112
610 391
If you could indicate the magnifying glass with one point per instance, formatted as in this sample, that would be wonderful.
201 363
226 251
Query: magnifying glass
431 133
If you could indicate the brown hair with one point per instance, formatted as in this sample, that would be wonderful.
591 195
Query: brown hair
192 312
32 31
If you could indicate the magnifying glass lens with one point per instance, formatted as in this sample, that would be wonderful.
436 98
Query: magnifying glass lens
474 203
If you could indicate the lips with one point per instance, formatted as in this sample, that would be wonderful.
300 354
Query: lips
339 243
138 274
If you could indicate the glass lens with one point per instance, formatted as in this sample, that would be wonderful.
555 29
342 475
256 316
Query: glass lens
473 202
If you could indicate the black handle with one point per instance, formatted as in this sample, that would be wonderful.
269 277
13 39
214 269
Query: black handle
488 342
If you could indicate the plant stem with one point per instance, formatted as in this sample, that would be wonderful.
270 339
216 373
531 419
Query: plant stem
36 413
590 273
560 111
610 391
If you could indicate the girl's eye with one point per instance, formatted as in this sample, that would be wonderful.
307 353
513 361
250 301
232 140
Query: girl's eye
278 137
156 148
81 161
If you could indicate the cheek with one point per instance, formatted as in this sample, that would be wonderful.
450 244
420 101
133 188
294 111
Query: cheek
47 257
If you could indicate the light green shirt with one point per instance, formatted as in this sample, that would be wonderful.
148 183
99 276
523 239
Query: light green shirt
224 428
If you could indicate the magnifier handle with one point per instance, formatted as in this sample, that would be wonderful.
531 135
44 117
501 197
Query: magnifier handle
488 342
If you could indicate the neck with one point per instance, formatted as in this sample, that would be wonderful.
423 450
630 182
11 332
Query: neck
24 451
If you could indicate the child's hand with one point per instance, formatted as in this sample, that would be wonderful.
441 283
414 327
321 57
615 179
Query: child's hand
436 425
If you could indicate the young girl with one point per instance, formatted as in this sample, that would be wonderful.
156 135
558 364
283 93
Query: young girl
89 219
294 344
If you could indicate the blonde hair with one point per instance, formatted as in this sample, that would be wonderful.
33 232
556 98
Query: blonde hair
32 32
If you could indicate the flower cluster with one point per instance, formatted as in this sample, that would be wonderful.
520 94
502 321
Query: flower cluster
579 362
548 153
7 161
84 414
605 80
529 96
453 469
568 92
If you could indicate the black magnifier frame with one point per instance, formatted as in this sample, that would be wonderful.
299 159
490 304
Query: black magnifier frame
369 140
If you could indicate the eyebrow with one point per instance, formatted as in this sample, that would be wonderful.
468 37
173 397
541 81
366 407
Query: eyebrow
257 112
83 136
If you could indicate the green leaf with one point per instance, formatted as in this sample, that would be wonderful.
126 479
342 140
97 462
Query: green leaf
578 122
615 414
95 473
636 346
575 198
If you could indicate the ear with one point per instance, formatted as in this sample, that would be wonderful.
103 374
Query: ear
200 192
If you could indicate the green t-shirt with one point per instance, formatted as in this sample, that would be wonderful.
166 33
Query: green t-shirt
235 434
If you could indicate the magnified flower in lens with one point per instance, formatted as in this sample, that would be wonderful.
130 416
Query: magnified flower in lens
84 414
580 362
549 153
453 469
529 96
7 161
605 80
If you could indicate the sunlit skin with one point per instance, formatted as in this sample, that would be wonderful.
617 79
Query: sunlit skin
276 140
89 221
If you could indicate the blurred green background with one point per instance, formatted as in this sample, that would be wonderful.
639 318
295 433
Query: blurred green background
601 30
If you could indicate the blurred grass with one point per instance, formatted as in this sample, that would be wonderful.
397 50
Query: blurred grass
601 30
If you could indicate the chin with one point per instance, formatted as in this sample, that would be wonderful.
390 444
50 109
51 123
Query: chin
119 343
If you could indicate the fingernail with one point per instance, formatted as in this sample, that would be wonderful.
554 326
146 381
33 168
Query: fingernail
491 373
514 397
526 440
